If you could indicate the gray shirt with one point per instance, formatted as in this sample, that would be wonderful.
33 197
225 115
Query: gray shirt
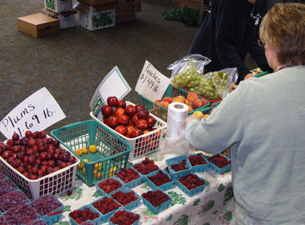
264 122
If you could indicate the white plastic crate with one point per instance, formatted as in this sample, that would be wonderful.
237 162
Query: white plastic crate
53 184
142 145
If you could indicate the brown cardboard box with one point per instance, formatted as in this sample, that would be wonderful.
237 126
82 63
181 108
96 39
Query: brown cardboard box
66 19
96 2
38 25
125 18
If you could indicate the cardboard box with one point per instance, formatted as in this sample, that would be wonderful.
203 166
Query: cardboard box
66 19
125 18
128 8
96 2
38 25
58 5
96 17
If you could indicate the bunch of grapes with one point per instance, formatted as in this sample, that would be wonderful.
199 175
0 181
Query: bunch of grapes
189 78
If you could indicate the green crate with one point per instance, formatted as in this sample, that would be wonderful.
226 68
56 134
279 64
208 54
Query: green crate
171 91
112 150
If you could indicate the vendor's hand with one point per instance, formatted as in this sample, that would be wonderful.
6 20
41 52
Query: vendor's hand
249 75
190 118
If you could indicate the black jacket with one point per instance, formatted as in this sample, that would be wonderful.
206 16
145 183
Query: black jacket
228 33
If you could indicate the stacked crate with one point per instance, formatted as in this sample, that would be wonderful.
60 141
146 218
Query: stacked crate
127 10
96 14
61 10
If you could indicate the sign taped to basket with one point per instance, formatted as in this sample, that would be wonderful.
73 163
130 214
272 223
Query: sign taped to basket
151 83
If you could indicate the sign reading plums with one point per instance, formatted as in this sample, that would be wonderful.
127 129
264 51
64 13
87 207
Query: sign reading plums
152 84
37 112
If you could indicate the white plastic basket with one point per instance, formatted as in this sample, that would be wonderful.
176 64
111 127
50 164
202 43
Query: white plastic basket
145 143
53 184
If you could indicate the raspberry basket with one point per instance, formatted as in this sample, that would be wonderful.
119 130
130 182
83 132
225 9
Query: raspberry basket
95 221
161 207
102 192
142 145
220 170
133 204
121 209
163 187
63 178
107 215
171 91
135 182
112 151
200 168
194 191
177 160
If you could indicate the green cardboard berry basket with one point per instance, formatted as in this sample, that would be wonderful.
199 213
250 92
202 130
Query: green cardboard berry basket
220 170
199 168
124 209
107 215
164 186
96 221
171 91
194 191
131 205
112 150
177 160
102 192
161 207
135 182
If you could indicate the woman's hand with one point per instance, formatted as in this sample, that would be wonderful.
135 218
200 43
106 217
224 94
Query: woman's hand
249 75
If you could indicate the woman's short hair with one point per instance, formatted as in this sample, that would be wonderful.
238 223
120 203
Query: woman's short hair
283 29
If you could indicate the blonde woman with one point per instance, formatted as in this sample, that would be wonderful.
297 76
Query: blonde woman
264 122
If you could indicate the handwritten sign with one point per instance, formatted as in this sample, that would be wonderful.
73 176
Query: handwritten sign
151 83
114 84
35 113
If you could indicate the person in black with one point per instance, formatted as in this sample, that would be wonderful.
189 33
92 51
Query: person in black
228 33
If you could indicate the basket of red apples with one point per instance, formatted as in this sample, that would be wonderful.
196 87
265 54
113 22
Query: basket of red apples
179 166
106 151
142 130
156 200
85 213
127 198
220 163
191 184
160 179
38 164
107 206
124 216
199 163
130 177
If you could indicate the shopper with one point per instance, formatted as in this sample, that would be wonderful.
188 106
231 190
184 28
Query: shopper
263 121
228 33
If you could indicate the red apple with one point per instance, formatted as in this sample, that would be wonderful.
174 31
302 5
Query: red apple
136 132
139 106
124 120
112 101
134 119
113 121
121 129
129 128
130 110
119 112
143 114
122 103
150 121
107 110
141 124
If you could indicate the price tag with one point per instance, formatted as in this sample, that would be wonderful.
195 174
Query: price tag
152 84
35 113
113 84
